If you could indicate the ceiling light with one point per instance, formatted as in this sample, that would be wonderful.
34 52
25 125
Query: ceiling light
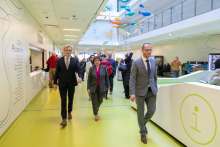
71 35
71 18
51 26
71 29
71 39
170 34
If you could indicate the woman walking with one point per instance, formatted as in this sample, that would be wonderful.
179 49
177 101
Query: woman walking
109 70
97 84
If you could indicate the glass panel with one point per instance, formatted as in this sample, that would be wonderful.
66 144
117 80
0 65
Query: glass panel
151 24
203 6
136 29
158 21
141 29
166 17
145 26
176 13
216 4
188 9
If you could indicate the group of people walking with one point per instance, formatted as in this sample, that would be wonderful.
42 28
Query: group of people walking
140 82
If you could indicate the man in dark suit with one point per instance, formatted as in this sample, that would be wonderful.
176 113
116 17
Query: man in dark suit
83 67
143 87
65 72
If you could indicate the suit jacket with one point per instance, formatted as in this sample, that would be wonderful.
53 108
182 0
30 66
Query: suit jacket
92 79
65 75
83 66
140 80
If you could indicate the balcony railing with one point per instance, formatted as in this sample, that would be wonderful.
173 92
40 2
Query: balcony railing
179 12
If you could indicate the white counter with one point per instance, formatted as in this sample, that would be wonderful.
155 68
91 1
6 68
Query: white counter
190 112
38 80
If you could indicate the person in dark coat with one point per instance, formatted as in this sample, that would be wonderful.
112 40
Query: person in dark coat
168 67
122 73
217 64
82 65
127 73
160 69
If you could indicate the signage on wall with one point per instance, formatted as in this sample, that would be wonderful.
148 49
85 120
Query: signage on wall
39 39
199 122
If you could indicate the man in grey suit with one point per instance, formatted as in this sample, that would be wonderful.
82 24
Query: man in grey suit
143 87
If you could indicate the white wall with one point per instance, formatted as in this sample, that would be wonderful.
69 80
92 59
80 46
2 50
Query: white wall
193 50
36 59
18 30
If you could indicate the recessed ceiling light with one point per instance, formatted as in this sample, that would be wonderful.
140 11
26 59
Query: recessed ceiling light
51 26
71 29
71 39
72 18
71 35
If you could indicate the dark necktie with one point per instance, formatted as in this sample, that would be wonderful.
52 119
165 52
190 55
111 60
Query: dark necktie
148 67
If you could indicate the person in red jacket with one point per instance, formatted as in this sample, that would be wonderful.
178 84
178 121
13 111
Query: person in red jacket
52 65
109 69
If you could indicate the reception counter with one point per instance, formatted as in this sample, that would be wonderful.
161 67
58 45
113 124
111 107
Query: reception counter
38 80
189 110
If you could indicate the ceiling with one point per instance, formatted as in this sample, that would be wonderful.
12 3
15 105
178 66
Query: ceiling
51 12
149 5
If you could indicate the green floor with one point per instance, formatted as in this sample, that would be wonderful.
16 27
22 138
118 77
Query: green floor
117 125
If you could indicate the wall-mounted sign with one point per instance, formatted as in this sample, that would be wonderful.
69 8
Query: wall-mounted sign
40 39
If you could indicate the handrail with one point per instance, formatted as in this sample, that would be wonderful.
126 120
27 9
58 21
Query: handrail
148 25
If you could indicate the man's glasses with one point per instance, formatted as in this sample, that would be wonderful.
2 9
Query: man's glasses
68 50
148 50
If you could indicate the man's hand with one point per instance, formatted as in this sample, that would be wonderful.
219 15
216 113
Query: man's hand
88 90
79 80
114 75
108 88
55 87
132 97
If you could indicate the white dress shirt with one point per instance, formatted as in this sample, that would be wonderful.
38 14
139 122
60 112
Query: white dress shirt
145 63
65 59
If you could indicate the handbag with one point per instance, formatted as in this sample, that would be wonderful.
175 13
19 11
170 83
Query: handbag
122 67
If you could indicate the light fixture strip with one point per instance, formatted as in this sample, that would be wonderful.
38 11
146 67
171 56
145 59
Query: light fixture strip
70 35
71 29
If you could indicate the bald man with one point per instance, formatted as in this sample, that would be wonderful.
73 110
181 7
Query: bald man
52 65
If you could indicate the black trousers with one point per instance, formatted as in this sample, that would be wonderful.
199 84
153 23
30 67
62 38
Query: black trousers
123 79
63 95
127 91
111 77
97 99
83 75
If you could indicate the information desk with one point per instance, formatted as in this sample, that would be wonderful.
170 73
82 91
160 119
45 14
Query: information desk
38 80
189 111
